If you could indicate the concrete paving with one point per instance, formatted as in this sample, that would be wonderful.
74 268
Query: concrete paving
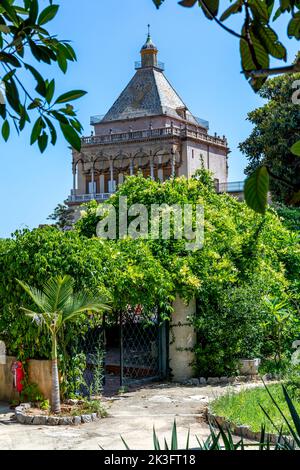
131 415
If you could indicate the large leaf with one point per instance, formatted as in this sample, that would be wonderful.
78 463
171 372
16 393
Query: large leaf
52 130
9 59
294 26
33 11
262 56
234 8
41 85
36 130
48 14
269 40
70 96
43 142
210 8
187 3
256 190
158 3
295 149
5 130
71 136
260 10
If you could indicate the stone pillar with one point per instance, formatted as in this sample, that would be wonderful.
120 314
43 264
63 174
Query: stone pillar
111 182
172 164
182 340
102 184
93 179
151 167
74 180
131 167
81 179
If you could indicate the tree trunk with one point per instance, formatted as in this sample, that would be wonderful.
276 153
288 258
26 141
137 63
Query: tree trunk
55 393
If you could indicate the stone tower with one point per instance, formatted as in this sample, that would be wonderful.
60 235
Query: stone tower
148 129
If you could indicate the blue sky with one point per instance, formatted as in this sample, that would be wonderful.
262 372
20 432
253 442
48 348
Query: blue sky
202 62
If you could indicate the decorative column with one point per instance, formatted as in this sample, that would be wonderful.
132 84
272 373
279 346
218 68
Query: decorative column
172 164
131 167
74 181
111 169
160 171
93 180
151 166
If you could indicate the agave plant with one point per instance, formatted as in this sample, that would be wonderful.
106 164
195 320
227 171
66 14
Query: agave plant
57 305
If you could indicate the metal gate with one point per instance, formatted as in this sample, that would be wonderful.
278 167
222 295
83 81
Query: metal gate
91 346
139 355
143 351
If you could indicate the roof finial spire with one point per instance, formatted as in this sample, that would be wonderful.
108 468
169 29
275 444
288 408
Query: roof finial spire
149 52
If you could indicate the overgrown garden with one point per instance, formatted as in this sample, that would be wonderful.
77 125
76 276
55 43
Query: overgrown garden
245 278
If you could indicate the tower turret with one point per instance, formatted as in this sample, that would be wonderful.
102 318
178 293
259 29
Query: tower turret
149 52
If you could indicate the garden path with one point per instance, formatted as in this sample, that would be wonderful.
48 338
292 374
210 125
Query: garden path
131 415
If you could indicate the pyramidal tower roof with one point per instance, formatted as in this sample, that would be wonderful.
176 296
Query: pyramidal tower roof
148 93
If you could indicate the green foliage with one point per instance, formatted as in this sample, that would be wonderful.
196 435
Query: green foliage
258 44
276 127
98 371
295 149
45 405
282 326
245 408
72 369
245 258
256 189
125 271
63 215
24 41
273 367
87 223
56 306
290 216
93 406
31 393
230 326
258 40
35 256
293 381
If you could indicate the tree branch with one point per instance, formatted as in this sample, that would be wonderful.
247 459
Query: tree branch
273 71
230 31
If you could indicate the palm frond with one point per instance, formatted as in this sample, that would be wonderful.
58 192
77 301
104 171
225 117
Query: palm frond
58 291
36 295
81 303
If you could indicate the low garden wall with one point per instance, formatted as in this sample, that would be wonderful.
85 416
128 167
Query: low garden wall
7 391
39 372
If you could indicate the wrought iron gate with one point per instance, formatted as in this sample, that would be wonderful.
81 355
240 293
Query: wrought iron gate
143 351
92 347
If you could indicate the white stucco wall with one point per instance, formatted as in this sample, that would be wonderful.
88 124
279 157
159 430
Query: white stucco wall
213 157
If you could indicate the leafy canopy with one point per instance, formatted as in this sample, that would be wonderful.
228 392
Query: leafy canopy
245 258
259 43
268 148
25 45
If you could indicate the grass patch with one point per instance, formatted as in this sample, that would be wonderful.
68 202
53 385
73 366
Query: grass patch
243 408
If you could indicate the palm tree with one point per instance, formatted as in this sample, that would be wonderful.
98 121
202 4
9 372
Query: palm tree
58 304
